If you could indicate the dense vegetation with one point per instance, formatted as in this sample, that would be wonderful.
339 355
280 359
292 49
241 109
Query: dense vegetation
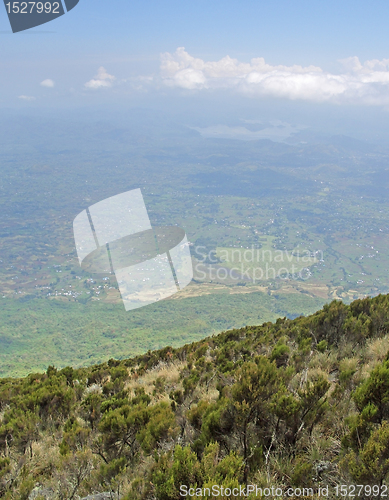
301 402
40 332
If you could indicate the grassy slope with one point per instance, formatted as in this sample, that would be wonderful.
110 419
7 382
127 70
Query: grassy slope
267 405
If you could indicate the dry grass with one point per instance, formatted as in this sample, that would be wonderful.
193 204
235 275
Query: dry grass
374 353
349 364
324 361
316 373
377 349
169 371
211 395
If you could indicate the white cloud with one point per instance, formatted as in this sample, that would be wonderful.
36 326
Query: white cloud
48 83
101 80
27 97
366 83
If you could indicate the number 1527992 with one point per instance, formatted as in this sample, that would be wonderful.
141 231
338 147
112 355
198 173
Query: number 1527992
32 7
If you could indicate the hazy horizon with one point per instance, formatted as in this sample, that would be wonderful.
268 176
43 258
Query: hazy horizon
305 68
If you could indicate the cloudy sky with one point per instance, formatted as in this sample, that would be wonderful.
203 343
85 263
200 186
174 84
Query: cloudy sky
222 63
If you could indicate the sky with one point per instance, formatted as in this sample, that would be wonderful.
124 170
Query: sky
218 64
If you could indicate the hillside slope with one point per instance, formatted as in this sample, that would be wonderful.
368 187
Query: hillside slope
296 403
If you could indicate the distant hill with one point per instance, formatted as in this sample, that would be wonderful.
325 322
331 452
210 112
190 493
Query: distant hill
300 403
